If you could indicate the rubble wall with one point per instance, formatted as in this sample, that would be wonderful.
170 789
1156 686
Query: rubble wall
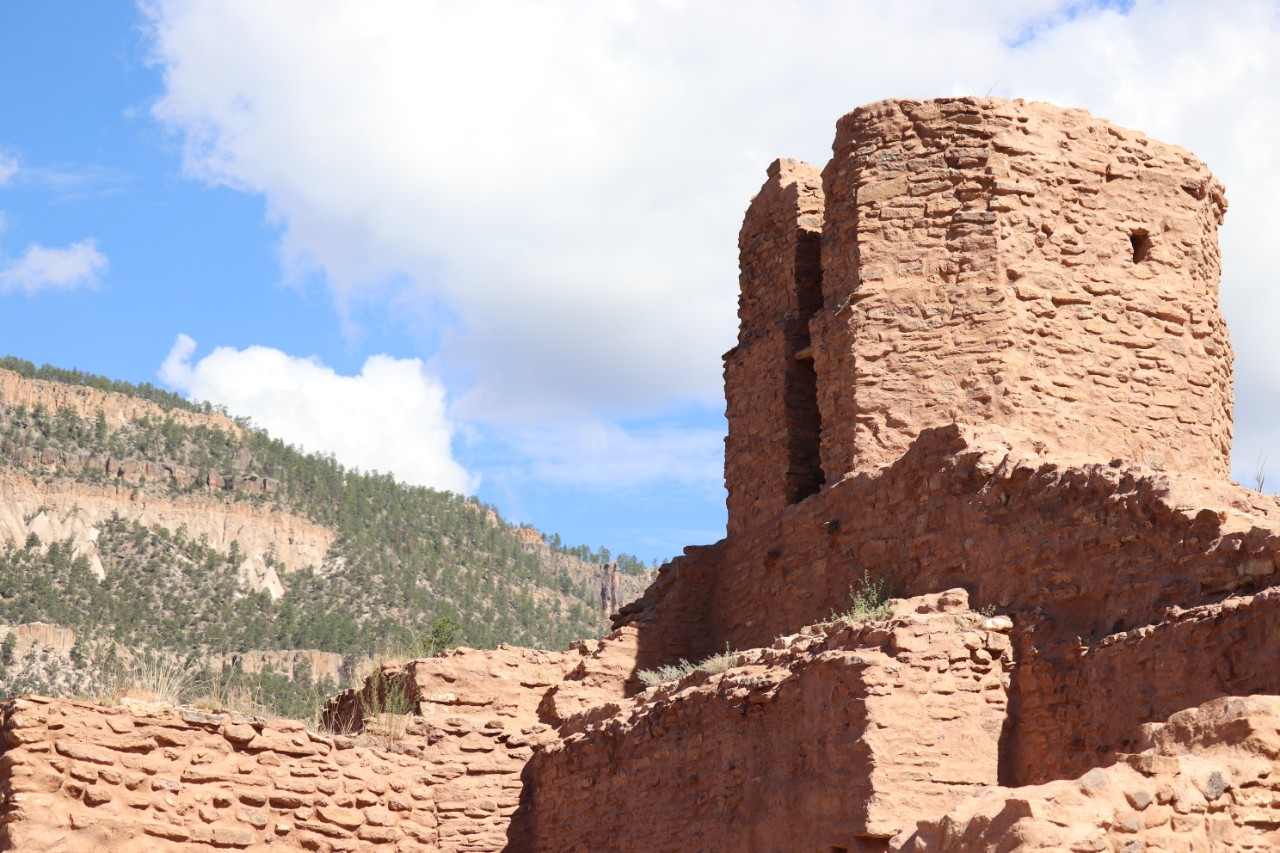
771 453
1203 781
432 760
83 778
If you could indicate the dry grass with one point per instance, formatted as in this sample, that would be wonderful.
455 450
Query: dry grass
220 691
161 677
387 704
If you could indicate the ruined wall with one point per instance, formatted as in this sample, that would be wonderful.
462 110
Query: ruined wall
983 262
1203 781
771 453
477 720
989 261
994 326
835 740
1096 548
83 779
1079 704
432 759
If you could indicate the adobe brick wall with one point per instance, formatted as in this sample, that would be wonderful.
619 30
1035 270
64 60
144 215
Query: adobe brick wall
837 738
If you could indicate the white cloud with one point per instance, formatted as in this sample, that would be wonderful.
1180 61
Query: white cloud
568 178
8 167
606 457
390 418
42 268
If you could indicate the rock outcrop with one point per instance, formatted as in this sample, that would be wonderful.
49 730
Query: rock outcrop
39 636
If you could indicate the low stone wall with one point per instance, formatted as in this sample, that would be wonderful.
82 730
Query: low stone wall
827 740
1079 704
434 759
79 777
1205 782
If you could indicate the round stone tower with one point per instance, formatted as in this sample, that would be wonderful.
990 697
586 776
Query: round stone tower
976 261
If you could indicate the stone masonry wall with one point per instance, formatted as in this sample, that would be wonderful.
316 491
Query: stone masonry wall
1079 704
833 739
476 721
1095 548
83 779
771 454
434 760
995 326
1204 782
989 261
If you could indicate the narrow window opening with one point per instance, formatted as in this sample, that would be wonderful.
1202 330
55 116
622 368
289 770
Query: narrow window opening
1140 241
804 420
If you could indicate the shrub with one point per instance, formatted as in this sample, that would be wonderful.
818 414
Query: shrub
870 600
674 672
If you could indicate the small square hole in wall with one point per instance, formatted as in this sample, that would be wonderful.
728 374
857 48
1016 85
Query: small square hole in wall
1140 241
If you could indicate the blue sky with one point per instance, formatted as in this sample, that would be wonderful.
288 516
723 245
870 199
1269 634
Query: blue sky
492 247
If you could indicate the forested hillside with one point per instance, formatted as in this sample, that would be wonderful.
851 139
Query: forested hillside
402 558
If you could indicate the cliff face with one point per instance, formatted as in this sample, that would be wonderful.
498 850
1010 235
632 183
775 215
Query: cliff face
48 499
118 409
209 541
58 509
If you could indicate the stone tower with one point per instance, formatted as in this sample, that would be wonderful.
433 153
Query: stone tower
976 261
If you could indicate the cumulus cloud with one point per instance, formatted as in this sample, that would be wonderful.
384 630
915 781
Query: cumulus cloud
566 179
43 268
391 417
607 457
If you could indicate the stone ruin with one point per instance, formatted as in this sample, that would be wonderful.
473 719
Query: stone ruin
981 361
